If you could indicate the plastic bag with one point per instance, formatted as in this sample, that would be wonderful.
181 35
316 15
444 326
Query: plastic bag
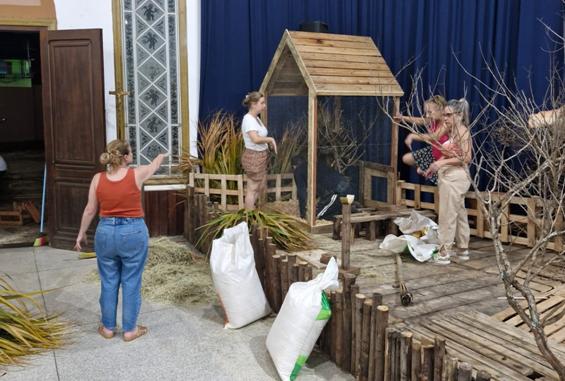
235 278
415 223
420 249
303 315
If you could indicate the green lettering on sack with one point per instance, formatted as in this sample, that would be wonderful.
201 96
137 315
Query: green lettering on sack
326 311
297 366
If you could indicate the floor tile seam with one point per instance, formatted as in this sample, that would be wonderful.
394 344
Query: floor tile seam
45 307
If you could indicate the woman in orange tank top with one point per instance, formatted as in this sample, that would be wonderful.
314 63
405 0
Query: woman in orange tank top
121 240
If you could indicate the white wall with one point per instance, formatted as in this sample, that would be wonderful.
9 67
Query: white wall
193 42
84 14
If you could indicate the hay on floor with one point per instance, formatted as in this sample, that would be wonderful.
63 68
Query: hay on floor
174 274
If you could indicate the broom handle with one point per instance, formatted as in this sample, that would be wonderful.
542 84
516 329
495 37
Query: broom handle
43 198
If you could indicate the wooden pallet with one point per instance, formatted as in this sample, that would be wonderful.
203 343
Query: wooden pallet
507 353
21 213
11 218
552 303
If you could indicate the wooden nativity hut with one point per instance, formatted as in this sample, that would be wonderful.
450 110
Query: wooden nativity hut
323 65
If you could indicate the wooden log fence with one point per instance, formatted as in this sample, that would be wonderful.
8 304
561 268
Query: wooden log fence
196 214
520 219
359 337
229 190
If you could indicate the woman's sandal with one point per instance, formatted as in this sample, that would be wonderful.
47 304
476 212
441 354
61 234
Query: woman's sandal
141 330
101 332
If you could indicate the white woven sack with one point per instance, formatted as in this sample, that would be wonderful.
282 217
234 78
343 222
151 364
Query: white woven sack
235 278
303 315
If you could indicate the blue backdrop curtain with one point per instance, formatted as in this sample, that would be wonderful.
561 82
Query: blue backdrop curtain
443 38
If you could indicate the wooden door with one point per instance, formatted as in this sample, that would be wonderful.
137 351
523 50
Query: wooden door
73 112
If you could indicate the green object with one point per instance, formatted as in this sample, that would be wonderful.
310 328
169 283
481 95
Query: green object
298 366
326 311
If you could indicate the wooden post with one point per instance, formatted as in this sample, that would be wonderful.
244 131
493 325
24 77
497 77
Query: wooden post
406 356
482 376
345 234
203 205
365 339
464 372
258 244
274 275
376 302
284 277
391 355
354 291
428 361
416 365
439 354
359 301
188 215
308 273
333 328
348 281
451 371
291 261
379 357
312 156
301 270
338 314
371 234
394 147
276 280
294 271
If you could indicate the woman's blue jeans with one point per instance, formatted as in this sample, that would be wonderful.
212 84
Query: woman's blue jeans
121 246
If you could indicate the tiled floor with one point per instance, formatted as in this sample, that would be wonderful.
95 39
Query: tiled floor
183 344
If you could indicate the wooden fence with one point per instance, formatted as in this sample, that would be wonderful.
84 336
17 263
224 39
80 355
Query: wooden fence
196 214
229 190
359 337
520 219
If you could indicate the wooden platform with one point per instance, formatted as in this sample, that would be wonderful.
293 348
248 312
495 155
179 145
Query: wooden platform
456 302
552 303
506 352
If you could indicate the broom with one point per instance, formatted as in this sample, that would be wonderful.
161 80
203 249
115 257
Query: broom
42 239
87 255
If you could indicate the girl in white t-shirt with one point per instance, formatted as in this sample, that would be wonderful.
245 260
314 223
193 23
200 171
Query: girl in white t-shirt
255 158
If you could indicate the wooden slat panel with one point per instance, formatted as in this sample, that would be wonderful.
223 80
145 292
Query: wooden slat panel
301 91
323 63
365 90
341 57
354 72
345 51
352 80
332 43
329 36
289 77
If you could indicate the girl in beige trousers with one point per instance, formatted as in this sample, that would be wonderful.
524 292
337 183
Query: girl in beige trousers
454 182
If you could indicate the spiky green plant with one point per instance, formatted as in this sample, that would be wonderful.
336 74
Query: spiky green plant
288 232
23 332
221 144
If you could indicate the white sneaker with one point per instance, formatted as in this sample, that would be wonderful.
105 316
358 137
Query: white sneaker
441 260
441 257
463 255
